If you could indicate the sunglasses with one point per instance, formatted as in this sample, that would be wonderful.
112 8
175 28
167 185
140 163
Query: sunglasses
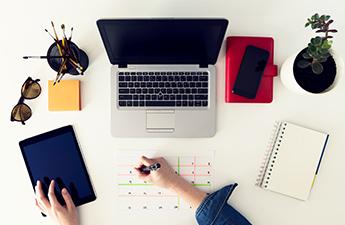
30 90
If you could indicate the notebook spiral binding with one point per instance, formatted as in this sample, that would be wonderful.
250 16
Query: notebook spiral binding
272 150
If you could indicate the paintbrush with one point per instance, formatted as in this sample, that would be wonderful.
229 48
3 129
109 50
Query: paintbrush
77 67
56 38
70 51
63 74
76 64
64 39
43 57
60 71
70 37
63 30
50 35
57 41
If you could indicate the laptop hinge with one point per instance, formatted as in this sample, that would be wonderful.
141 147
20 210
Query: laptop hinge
202 65
122 65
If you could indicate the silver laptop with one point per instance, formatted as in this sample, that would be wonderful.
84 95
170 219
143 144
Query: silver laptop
163 78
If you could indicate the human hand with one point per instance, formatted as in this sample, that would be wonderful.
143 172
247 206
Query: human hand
164 177
63 215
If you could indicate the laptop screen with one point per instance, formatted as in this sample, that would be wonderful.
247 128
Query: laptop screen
162 41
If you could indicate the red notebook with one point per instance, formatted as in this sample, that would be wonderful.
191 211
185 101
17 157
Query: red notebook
235 49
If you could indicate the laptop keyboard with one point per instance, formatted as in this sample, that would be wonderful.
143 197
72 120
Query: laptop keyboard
163 89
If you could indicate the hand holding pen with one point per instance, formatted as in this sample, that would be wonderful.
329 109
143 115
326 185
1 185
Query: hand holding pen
148 169
157 171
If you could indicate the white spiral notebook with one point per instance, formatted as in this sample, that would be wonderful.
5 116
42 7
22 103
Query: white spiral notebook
292 160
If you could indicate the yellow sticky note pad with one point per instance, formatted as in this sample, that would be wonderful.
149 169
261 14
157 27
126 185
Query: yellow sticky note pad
64 96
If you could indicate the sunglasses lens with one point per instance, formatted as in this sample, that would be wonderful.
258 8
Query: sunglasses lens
21 112
31 90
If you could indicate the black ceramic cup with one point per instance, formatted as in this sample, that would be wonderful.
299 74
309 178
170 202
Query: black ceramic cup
55 63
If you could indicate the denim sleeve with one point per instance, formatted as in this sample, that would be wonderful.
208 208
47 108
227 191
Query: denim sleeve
215 210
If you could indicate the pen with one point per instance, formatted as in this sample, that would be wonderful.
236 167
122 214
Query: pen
148 169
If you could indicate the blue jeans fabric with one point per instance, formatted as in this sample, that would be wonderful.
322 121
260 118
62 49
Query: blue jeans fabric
215 210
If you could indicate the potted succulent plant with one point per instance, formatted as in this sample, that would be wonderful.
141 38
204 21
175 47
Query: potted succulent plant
317 67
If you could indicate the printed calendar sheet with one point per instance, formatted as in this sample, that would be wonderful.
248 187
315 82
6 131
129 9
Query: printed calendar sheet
134 194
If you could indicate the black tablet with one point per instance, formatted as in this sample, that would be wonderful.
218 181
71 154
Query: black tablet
56 155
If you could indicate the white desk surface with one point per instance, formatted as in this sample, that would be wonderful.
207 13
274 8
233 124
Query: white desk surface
243 129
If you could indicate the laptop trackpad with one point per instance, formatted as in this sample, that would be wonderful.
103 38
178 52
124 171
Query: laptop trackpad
160 121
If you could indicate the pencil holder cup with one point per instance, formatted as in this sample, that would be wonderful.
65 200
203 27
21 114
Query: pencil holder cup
75 52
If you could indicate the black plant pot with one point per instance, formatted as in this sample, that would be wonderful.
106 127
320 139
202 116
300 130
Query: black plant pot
311 82
55 63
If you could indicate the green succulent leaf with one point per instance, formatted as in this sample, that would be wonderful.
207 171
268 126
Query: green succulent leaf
323 51
306 55
312 49
318 47
326 44
327 54
322 60
303 64
317 41
317 68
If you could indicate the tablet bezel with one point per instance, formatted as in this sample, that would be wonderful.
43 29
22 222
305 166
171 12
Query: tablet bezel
52 134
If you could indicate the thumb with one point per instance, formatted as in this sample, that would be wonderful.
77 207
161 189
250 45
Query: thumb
146 161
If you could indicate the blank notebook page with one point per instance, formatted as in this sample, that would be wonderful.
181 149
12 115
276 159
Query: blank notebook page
298 153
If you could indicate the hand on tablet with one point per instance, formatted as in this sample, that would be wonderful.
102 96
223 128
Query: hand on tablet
64 215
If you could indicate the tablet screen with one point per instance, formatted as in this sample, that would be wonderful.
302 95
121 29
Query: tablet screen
56 155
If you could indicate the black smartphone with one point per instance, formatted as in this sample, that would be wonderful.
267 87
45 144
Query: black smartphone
250 73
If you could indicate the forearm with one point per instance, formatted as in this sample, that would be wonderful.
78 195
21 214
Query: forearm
188 192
